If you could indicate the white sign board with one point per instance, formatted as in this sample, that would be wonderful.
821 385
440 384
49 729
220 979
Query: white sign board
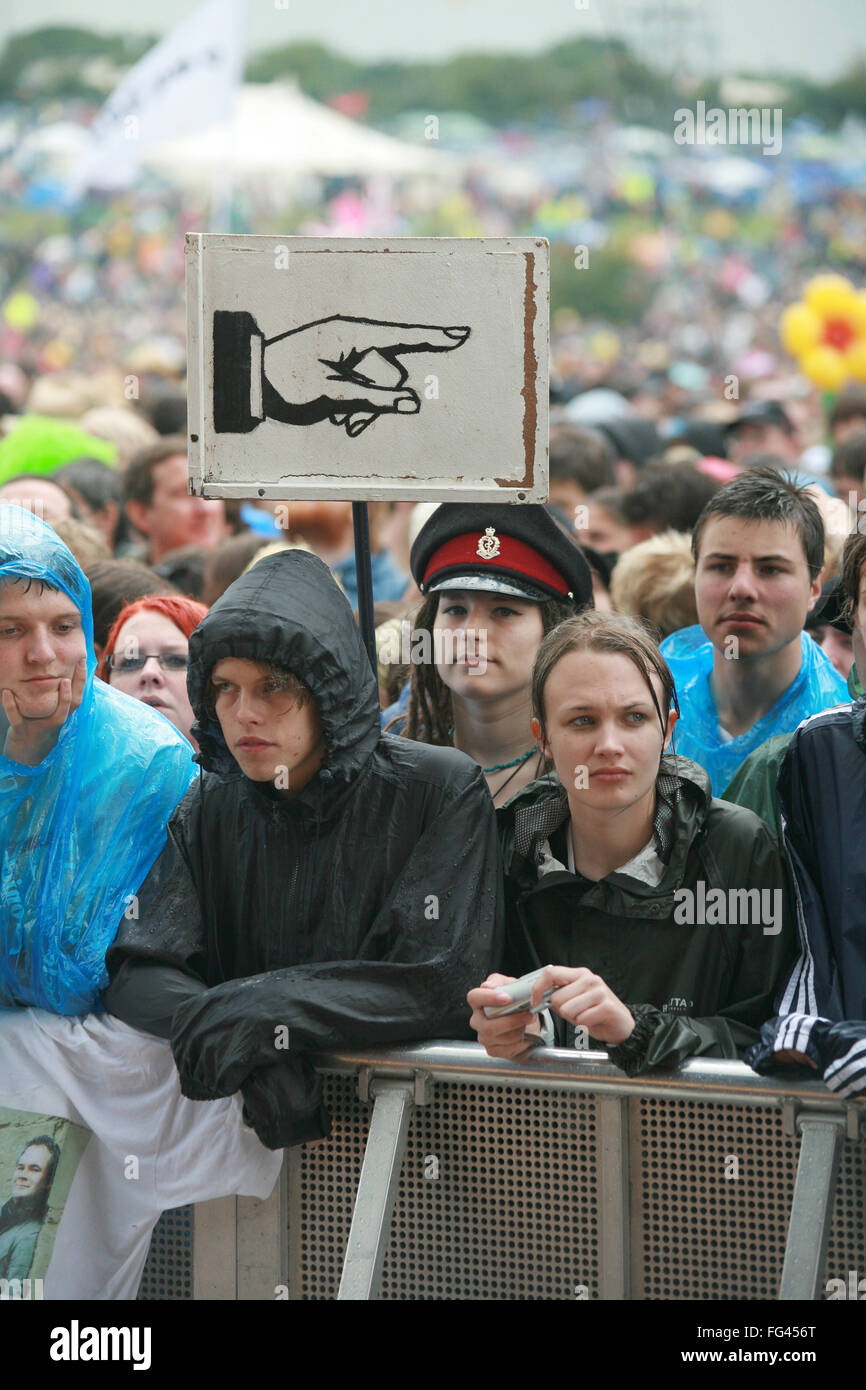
408 368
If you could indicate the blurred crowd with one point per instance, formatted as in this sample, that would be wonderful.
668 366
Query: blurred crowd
667 645
630 472
671 264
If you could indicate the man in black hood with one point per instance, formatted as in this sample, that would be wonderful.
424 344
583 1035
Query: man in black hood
323 885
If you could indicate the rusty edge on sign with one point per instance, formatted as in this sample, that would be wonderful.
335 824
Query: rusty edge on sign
530 369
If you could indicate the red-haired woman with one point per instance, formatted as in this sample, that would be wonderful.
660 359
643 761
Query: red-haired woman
147 654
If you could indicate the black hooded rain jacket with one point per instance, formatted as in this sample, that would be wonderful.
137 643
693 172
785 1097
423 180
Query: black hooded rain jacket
356 913
698 985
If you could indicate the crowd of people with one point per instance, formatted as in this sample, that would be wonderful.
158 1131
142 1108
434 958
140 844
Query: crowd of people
613 739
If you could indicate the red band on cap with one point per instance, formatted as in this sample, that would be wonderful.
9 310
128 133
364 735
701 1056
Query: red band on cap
513 555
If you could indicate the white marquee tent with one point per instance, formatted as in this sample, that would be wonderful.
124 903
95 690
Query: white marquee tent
278 136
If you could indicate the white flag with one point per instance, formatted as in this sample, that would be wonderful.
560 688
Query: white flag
187 82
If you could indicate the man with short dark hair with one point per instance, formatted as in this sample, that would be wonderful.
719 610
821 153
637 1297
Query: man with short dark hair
602 524
762 427
159 505
97 490
667 497
22 1216
749 671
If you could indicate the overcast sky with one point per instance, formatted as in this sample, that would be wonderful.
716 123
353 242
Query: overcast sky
819 38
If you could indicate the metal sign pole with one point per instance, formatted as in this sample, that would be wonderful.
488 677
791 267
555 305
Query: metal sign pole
364 572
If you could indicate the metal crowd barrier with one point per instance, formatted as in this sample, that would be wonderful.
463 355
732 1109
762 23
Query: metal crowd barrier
452 1175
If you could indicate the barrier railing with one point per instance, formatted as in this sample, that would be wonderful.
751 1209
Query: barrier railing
450 1174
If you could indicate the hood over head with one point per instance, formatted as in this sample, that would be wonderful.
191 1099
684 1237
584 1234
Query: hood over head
81 828
289 611
31 549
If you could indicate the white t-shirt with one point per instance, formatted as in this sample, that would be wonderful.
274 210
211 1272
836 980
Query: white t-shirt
646 866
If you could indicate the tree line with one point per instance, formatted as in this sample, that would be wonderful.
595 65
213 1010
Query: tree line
501 88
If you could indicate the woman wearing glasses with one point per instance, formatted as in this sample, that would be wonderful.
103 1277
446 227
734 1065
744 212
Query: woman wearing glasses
147 654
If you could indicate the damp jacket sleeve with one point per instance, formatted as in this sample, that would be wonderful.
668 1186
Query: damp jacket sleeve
146 996
151 974
761 961
282 1101
434 936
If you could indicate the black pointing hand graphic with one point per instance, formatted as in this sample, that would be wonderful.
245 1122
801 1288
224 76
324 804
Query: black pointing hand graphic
346 370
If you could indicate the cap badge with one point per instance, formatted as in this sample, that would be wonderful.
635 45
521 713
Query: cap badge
488 544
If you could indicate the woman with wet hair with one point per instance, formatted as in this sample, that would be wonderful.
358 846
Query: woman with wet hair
668 912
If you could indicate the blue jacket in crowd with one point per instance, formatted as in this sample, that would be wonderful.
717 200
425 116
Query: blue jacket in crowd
689 654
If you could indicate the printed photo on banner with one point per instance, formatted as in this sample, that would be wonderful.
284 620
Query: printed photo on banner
39 1155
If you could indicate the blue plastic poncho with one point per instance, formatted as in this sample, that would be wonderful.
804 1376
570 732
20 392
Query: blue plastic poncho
80 830
689 654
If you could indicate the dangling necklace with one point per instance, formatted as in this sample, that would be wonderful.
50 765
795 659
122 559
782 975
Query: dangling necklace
500 767
515 762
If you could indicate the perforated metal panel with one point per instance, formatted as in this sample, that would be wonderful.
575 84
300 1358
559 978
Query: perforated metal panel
500 1198
513 1212
323 1181
168 1272
705 1227
846 1248
712 1187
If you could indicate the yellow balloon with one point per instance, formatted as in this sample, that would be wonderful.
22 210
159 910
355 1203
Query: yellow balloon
21 310
829 294
825 367
855 359
799 329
